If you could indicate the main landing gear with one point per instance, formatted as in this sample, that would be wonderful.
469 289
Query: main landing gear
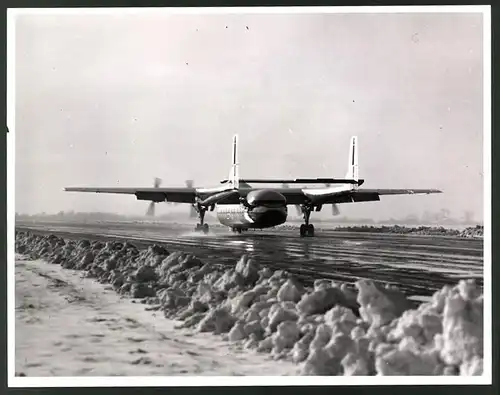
236 230
307 229
202 226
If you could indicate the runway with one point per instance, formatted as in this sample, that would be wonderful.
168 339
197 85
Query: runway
419 265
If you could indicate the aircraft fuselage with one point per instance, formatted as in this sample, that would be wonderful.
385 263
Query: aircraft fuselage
238 216
262 208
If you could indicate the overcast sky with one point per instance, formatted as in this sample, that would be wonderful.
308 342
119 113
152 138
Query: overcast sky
117 100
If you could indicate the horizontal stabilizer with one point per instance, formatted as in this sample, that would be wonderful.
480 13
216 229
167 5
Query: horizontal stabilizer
300 181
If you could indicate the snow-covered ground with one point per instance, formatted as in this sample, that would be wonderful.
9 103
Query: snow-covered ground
67 325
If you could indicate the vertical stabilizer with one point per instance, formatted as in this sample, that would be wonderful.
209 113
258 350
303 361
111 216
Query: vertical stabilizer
234 174
352 170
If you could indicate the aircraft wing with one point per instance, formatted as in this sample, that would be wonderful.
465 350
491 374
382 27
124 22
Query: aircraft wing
292 195
297 196
372 195
400 191
176 195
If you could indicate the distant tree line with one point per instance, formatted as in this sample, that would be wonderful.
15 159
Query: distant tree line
442 217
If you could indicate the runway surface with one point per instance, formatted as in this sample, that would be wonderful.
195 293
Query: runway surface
419 265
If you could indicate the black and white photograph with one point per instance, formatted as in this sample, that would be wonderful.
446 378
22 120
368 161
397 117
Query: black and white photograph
272 195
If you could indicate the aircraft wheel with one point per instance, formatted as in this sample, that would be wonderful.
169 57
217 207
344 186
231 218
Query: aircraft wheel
307 230
205 228
302 230
310 230
197 228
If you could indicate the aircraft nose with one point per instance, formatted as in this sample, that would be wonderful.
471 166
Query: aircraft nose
268 216
266 197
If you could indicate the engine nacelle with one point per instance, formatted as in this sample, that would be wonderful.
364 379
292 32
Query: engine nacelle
266 198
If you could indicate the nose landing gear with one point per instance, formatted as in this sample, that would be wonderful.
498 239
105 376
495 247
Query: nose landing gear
307 229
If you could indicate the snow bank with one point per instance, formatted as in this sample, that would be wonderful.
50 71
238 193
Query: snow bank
330 329
469 232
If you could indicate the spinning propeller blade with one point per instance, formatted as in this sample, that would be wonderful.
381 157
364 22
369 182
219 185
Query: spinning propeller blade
297 206
192 211
151 208
335 207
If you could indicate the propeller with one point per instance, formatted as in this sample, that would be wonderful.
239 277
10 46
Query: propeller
151 208
335 207
297 206
192 212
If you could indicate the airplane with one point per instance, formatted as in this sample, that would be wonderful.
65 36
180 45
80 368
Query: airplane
240 206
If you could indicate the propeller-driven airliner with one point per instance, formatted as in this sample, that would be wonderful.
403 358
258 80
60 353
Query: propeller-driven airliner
241 206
